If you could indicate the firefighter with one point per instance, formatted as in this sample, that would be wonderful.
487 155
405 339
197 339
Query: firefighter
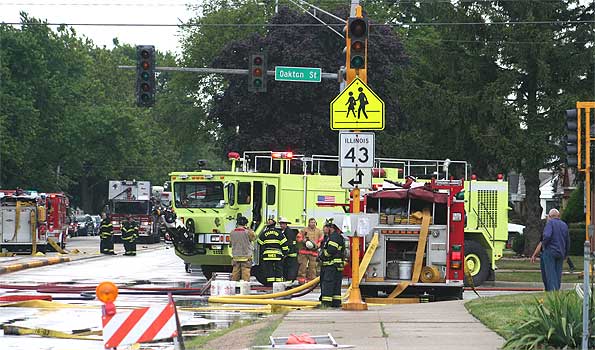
241 250
290 263
106 233
274 247
331 275
129 236
308 241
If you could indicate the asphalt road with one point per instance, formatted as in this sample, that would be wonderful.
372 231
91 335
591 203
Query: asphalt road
154 266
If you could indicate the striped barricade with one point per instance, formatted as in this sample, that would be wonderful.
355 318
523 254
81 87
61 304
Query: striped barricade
139 325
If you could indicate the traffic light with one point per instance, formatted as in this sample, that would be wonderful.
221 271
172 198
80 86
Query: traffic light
145 75
357 31
258 73
358 36
572 137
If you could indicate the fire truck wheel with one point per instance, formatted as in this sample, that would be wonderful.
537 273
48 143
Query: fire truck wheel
477 263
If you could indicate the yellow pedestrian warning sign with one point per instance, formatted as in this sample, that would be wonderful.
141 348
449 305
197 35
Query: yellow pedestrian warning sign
357 108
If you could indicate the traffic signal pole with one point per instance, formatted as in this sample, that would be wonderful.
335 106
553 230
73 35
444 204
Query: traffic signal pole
355 302
583 147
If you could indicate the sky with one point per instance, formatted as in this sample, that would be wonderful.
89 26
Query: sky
110 11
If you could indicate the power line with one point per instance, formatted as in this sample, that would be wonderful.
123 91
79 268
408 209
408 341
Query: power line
340 25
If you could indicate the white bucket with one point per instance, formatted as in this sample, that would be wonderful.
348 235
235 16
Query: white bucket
229 287
215 287
244 287
278 287
405 268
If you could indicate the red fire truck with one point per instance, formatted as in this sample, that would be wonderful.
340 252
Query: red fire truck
57 205
22 221
132 198
412 258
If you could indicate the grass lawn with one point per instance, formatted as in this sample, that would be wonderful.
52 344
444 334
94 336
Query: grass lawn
496 312
525 264
532 277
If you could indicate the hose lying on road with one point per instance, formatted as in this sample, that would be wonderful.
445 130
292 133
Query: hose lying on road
248 301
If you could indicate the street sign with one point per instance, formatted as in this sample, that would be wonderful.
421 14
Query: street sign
299 74
357 108
356 177
357 149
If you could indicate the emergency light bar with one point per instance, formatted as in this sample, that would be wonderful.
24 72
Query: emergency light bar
282 155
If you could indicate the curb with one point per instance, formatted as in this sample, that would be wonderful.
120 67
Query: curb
36 263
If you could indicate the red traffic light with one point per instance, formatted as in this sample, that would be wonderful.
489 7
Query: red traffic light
257 72
358 27
258 60
146 65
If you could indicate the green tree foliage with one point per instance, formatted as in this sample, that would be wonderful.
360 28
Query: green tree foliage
68 120
574 210
294 116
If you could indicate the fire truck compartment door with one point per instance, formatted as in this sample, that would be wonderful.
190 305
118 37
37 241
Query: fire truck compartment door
22 234
436 247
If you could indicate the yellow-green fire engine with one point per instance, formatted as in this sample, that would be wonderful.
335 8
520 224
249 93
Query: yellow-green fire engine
262 185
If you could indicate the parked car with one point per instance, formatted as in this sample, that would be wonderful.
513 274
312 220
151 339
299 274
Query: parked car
96 224
84 225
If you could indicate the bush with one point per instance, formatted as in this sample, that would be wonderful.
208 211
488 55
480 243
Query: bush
574 211
577 238
552 322
518 244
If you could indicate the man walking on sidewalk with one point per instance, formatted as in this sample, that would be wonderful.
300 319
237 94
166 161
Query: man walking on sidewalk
556 245
241 250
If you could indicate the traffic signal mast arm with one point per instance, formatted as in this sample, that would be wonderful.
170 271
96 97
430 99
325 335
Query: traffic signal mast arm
324 75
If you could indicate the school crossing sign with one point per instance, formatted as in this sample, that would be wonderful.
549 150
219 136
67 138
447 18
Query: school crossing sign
357 108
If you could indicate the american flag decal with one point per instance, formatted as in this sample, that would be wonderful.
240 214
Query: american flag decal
326 199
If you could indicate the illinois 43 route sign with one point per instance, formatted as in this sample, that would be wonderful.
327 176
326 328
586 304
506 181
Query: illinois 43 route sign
357 108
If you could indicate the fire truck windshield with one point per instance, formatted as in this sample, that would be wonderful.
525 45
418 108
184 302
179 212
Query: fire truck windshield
133 208
198 194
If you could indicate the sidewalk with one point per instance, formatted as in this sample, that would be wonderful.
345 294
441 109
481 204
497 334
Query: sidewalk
79 248
441 325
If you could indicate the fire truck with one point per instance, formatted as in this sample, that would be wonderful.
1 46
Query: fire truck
57 206
416 233
23 221
132 198
262 185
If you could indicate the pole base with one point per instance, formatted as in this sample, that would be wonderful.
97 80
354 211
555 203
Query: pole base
350 306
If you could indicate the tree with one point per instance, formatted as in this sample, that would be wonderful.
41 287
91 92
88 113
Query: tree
294 116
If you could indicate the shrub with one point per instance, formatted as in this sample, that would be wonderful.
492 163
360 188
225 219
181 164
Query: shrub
552 322
574 211
577 238
518 244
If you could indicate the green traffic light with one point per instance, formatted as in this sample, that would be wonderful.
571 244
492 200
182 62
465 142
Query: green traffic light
145 97
145 75
357 62
257 83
